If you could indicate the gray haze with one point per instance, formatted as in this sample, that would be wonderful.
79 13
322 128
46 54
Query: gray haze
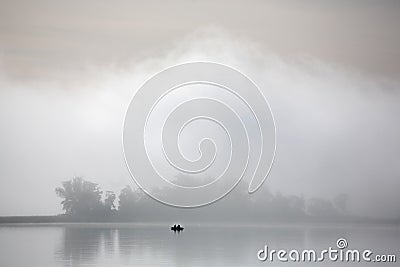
329 71
59 39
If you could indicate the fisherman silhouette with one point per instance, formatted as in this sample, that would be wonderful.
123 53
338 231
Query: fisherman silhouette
177 228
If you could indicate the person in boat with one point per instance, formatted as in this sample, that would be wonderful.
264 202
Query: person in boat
177 228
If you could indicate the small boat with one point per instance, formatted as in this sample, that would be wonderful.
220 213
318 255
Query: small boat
176 228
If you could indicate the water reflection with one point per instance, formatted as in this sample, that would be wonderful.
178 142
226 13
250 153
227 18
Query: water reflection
155 245
115 245
81 245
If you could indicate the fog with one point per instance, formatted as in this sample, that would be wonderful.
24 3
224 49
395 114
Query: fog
336 110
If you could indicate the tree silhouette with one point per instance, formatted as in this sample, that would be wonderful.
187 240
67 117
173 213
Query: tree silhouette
109 200
127 199
82 201
83 198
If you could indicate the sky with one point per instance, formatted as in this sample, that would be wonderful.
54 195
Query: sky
329 70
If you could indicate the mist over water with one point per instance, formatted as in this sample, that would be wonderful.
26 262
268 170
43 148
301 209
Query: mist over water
69 70
336 128
197 245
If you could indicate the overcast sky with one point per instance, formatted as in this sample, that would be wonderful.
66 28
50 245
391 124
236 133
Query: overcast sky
68 70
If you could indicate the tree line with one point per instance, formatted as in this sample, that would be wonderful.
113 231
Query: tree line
83 200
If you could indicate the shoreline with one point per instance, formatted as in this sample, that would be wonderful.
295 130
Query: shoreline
64 219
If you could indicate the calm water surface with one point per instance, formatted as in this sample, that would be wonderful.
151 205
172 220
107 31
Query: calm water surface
155 245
